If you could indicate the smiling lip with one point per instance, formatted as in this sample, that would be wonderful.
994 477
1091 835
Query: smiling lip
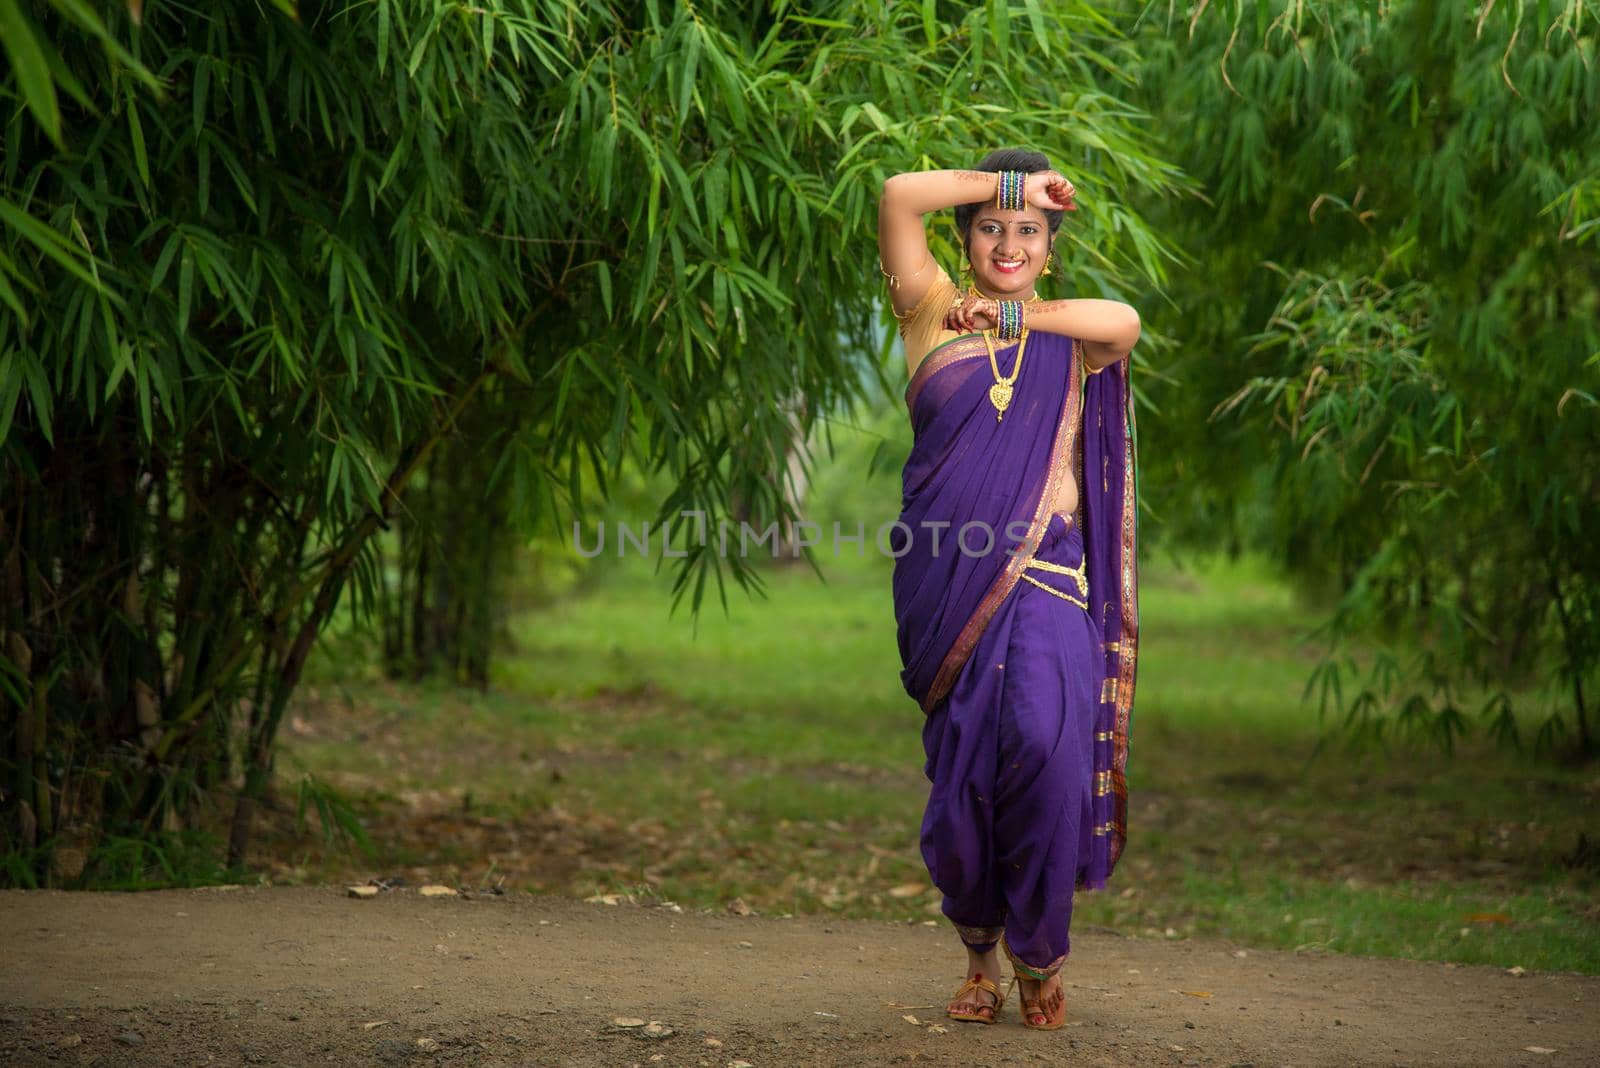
1005 268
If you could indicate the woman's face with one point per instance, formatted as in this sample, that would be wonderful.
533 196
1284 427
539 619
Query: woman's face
1008 250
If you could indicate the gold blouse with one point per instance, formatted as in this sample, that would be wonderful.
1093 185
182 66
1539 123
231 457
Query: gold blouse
922 327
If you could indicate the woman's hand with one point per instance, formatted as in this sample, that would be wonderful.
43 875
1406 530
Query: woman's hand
973 314
1048 191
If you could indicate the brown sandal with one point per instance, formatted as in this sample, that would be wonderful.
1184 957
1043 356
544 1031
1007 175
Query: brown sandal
1031 1009
977 982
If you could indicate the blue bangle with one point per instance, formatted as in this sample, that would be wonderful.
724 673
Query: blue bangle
1009 327
1011 194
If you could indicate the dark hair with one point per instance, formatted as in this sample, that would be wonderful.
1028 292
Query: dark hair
1007 159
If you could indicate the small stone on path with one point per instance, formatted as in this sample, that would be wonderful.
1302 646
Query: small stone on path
393 1051
362 891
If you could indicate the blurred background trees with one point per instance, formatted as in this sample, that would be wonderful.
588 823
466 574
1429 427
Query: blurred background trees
1393 321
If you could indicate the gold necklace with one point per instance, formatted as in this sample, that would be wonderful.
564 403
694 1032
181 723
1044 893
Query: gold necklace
1000 392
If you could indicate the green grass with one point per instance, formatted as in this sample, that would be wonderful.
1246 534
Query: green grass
772 756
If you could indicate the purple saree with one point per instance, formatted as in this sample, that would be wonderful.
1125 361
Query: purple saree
1018 635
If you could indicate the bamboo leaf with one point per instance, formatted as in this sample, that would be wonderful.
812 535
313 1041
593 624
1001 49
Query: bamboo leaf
32 69
141 159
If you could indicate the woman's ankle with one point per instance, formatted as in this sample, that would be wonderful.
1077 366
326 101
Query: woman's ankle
986 963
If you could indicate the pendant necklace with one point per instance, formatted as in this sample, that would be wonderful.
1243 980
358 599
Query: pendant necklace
1000 392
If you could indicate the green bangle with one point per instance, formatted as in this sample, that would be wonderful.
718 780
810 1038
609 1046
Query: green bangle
1011 193
1009 327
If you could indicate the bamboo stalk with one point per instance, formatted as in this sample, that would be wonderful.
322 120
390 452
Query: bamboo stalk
259 770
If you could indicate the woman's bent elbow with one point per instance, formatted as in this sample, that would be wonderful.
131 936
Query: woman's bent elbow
1133 327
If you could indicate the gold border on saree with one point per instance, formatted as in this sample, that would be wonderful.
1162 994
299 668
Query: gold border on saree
1067 425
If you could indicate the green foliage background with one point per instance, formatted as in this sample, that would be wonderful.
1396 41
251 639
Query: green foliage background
261 263
1394 320
279 278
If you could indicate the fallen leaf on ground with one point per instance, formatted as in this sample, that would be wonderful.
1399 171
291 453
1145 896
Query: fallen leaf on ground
438 891
603 899
910 1019
656 1029
1196 993
628 1021
1487 917
374 1023
907 889
362 891
428 1045
1537 1049
935 1029
1517 970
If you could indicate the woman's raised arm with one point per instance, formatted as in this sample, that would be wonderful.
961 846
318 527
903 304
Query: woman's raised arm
903 236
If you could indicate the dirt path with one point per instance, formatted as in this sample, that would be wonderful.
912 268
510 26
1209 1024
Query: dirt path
308 976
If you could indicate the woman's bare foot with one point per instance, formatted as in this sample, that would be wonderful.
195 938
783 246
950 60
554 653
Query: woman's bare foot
976 1002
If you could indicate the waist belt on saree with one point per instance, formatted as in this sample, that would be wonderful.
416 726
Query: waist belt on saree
1068 576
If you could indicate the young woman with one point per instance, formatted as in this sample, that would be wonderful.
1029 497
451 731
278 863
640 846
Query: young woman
1014 583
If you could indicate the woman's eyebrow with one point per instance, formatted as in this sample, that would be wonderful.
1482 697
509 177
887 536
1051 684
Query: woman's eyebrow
981 219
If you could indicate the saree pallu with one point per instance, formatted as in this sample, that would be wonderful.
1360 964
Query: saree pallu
1028 697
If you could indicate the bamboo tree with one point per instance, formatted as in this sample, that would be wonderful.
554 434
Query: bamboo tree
1396 326
260 261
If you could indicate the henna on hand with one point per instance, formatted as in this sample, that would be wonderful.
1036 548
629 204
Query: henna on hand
1056 192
